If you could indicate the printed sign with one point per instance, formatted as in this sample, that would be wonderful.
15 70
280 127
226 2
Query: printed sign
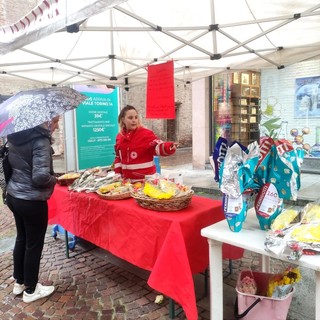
97 126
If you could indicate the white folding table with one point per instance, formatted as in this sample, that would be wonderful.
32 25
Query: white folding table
251 238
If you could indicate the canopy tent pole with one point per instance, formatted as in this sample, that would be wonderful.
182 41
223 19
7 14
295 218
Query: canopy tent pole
112 55
159 28
240 44
213 22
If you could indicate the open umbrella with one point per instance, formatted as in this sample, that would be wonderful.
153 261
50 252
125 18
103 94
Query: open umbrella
28 109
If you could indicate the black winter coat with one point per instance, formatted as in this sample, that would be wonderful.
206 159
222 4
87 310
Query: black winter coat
30 155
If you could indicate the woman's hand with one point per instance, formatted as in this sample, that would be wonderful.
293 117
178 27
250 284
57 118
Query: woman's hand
174 146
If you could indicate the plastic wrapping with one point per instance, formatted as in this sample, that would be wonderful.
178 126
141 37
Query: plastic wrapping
237 170
268 205
295 231
280 164
228 181
218 156
311 213
284 219
271 171
235 211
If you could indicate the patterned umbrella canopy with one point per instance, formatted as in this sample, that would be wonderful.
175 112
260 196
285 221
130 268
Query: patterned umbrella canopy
28 109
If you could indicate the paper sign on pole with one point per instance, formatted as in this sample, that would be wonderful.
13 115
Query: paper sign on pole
160 91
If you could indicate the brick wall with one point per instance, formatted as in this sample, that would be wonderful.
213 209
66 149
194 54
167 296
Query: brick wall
136 96
10 12
10 85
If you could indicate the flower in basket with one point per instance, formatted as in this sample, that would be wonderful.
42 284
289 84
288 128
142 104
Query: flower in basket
248 285
281 284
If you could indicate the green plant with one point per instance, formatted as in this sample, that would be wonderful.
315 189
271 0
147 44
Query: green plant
272 127
272 123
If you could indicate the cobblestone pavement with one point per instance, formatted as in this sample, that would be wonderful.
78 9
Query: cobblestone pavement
91 284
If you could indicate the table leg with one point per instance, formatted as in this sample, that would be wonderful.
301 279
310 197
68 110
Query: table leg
317 296
230 269
172 314
216 280
264 263
206 282
172 310
66 239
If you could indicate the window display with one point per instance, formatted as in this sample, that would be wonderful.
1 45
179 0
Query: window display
236 109
245 111
221 93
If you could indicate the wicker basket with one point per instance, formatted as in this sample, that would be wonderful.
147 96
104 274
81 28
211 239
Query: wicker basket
119 196
173 204
66 182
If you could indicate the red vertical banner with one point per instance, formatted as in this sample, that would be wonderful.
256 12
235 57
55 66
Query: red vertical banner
160 91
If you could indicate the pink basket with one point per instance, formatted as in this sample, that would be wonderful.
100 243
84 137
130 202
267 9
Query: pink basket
259 307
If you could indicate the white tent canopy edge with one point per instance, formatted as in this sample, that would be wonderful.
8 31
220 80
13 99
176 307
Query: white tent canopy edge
113 42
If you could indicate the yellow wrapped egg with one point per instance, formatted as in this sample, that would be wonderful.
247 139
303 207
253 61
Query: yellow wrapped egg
284 219
308 233
311 213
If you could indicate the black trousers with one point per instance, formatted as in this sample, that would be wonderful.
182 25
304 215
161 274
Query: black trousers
31 219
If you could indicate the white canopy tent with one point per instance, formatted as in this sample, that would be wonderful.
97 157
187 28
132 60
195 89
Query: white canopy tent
113 41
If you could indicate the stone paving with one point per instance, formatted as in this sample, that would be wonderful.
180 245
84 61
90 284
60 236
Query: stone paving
91 284
88 286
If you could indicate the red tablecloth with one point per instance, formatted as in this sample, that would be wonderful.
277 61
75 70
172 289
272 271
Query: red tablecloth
168 244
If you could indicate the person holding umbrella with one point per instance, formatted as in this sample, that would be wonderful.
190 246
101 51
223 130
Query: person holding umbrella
28 120
30 186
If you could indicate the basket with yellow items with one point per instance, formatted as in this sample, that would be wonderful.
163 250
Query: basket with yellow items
68 178
161 194
117 190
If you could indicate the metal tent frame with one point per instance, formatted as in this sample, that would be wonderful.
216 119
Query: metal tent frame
112 42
